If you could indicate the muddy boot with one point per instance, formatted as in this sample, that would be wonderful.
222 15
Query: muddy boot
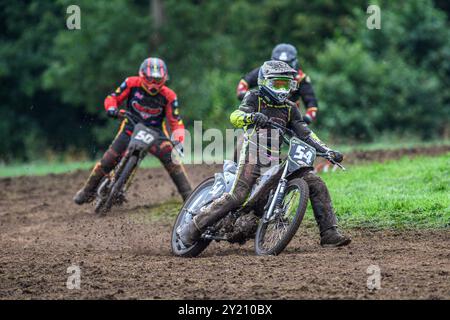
324 213
190 232
179 177
87 193
333 238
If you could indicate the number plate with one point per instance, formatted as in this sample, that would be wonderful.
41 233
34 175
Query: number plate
144 136
301 153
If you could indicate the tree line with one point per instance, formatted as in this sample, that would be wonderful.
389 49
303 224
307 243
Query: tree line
369 83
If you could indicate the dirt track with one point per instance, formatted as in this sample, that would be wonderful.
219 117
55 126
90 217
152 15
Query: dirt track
126 256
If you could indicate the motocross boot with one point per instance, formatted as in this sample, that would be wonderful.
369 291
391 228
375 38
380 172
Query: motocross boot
324 213
87 193
332 238
179 177
191 231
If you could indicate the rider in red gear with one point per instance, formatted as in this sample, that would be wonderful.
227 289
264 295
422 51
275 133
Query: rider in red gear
147 97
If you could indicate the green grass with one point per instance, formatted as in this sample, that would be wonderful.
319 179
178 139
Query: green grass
405 193
398 194
166 212
41 168
390 144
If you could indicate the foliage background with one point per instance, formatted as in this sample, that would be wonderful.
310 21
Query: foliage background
370 83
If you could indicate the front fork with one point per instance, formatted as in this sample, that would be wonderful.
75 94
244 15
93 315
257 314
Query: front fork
108 183
128 183
278 196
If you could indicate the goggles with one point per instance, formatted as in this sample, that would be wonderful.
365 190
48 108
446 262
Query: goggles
280 84
154 80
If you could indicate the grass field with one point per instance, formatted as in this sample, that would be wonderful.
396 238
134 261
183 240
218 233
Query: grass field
398 193
39 168
406 193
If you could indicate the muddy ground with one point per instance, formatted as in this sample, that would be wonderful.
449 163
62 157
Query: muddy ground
127 253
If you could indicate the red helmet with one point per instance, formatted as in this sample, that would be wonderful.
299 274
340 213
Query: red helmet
153 72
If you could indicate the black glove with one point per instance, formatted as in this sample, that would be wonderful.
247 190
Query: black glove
112 112
307 119
335 156
259 119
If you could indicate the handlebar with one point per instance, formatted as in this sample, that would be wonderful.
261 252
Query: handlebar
134 119
280 127
327 157
129 116
292 133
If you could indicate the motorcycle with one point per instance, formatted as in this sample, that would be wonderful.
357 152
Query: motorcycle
112 188
278 200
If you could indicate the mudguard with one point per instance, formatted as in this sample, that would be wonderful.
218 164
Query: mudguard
223 181
142 138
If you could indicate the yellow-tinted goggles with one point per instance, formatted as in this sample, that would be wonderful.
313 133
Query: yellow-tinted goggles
280 84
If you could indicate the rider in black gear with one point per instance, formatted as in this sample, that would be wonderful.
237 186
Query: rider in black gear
275 82
304 90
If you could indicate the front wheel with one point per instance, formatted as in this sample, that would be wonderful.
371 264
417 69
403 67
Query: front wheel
274 235
117 188
193 204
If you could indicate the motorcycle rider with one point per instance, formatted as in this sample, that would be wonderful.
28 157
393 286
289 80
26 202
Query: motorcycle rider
151 100
287 53
269 101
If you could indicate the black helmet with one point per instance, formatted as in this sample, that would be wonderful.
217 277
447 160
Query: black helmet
276 81
287 53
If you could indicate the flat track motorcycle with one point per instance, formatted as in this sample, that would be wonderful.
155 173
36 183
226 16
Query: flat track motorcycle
278 200
112 188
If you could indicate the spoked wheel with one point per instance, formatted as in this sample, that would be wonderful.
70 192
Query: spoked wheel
190 208
274 235
104 205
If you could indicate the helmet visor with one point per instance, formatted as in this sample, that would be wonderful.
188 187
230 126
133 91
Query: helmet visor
154 80
281 84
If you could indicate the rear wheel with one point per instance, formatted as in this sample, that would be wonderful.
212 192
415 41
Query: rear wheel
117 188
191 207
274 235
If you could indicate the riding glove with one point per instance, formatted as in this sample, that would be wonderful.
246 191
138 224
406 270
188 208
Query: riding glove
336 155
112 112
259 119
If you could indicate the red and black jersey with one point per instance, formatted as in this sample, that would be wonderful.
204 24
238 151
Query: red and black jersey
152 109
